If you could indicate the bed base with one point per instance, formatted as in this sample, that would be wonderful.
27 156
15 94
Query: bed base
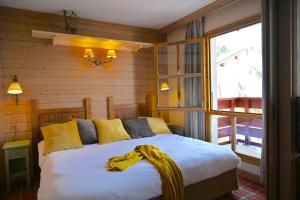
211 188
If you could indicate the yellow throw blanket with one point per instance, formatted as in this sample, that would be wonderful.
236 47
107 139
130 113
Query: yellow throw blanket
171 177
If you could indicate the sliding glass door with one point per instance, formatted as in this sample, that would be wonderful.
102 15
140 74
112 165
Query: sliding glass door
236 91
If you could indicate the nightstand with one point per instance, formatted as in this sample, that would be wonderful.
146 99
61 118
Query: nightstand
17 160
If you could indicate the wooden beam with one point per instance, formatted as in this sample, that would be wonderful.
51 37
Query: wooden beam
249 159
194 15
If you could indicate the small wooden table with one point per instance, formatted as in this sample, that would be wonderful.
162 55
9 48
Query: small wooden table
17 160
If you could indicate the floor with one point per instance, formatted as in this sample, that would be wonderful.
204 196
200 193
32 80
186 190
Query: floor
249 150
248 191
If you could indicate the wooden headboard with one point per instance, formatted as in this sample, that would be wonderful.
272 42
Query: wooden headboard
43 117
129 111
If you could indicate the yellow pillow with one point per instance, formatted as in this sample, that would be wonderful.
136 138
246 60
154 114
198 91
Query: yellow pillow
110 130
158 125
58 137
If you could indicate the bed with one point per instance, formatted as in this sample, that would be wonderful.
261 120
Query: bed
209 171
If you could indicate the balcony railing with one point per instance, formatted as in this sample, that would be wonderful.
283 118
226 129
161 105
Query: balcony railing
240 102
249 131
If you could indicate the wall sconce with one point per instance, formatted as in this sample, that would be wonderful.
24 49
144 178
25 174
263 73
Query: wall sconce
164 86
89 54
15 89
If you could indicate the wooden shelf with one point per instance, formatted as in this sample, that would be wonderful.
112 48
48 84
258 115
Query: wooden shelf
90 42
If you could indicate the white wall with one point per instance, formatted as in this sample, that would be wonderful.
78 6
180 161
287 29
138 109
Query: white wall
253 169
230 14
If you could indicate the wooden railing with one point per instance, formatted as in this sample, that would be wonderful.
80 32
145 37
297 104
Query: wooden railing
249 128
240 102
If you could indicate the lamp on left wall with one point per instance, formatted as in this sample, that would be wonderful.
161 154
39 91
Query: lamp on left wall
15 88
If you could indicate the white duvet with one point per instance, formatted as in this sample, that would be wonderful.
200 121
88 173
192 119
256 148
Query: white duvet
82 174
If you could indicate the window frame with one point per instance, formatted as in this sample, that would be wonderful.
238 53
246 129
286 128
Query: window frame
206 82
203 73
232 114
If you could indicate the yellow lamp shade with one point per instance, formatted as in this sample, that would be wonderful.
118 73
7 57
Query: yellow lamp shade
111 54
164 86
88 53
14 87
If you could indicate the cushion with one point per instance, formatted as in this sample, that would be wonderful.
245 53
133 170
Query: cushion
176 129
158 125
138 128
110 130
87 131
58 137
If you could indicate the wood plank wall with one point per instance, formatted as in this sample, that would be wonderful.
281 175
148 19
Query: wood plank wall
58 76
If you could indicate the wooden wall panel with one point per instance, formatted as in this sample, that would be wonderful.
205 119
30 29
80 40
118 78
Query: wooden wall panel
58 76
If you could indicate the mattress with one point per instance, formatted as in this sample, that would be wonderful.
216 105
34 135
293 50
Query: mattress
82 174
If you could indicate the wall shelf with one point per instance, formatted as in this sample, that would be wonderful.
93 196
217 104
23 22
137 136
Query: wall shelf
90 42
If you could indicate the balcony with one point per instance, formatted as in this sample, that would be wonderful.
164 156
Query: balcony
249 132
244 104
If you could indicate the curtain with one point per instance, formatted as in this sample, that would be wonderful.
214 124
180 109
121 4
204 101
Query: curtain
194 121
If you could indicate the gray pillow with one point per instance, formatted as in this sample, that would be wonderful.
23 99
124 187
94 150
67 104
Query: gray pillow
138 128
176 129
87 131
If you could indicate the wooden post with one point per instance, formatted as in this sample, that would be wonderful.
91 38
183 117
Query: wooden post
178 77
88 108
233 133
207 127
110 107
149 105
35 130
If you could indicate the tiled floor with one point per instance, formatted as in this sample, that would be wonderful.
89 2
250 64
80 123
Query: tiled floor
248 191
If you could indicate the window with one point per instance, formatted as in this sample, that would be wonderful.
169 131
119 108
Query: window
236 68
236 90
179 75
223 79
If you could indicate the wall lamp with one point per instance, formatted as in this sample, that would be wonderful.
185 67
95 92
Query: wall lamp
15 88
164 86
89 54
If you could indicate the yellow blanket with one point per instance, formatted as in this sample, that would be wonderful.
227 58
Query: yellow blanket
171 177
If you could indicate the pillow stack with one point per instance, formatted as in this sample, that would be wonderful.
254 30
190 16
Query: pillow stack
79 132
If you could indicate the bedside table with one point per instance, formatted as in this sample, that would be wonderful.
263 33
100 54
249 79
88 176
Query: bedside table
16 160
